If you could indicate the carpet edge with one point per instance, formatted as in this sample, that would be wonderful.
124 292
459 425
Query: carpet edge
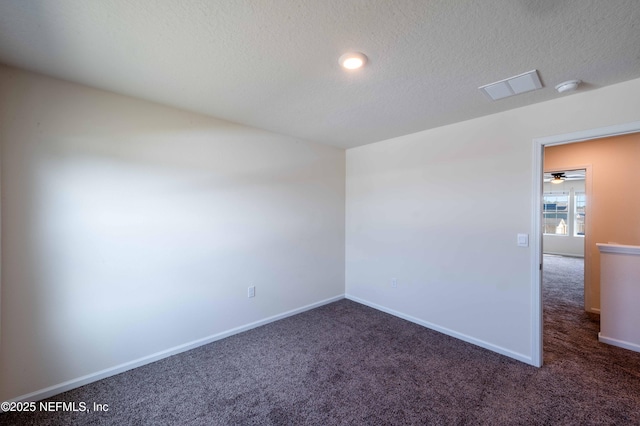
478 342
121 368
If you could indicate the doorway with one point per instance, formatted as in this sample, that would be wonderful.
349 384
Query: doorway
564 226
539 145
564 206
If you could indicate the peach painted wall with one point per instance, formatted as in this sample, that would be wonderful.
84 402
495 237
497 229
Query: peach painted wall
613 206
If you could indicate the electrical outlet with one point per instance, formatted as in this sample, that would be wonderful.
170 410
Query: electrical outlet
394 282
251 291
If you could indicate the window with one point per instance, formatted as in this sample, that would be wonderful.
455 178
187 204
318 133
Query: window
579 205
556 213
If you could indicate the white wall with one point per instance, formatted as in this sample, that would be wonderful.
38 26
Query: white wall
564 245
130 228
439 210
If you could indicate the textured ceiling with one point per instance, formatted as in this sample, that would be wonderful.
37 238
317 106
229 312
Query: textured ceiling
273 64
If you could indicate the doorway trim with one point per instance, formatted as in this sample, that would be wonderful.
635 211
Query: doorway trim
536 219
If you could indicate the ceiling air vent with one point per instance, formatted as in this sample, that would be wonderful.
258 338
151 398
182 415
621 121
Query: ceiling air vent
512 86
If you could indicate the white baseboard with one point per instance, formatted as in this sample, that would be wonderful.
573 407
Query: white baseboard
619 343
511 354
99 375
553 253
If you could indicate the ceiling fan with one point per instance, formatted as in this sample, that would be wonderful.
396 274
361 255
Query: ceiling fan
567 175
557 177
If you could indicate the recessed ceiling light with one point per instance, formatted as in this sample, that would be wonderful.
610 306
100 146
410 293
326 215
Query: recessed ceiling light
352 60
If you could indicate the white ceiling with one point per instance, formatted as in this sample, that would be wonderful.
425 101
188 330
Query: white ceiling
273 64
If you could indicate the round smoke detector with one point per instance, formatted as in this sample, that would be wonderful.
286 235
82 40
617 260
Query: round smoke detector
568 86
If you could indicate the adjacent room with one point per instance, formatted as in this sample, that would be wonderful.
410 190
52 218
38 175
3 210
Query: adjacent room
337 212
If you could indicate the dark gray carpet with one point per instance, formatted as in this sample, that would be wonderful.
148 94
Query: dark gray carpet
345 363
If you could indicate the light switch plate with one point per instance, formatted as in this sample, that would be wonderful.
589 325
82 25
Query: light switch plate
523 240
